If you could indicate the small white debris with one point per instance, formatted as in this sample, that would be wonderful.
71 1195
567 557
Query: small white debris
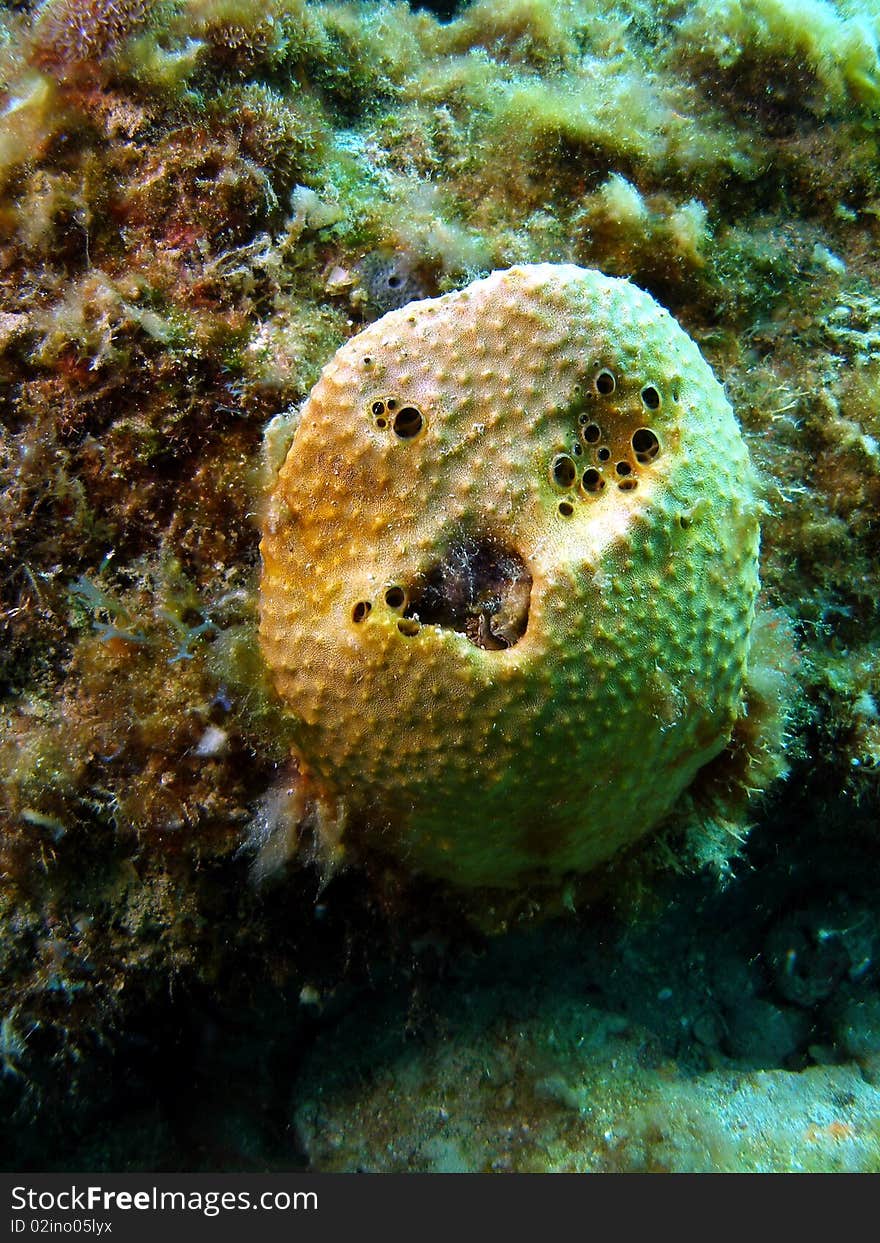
213 742
825 258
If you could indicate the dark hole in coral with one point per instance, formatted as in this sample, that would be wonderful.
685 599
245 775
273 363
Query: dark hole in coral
393 280
481 589
645 444
395 597
592 433
628 485
605 383
592 480
566 509
563 470
650 397
368 362
381 424
361 611
604 454
378 407
576 450
623 468
408 422
392 403
408 626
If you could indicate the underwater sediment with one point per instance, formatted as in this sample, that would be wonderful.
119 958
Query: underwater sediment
202 201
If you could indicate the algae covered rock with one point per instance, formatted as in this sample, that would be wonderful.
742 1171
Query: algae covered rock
509 574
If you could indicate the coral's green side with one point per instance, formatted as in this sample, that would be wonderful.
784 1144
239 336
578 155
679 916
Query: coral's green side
556 432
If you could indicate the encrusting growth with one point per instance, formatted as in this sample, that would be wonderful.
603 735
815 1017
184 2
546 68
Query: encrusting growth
509 575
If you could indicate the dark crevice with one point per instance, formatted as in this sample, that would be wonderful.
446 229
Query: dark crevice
481 589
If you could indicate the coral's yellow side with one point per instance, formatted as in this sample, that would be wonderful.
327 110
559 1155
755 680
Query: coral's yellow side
509 573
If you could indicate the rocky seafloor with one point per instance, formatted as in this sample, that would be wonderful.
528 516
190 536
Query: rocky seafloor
200 200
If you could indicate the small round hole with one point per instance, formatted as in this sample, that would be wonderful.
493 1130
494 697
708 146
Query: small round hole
378 407
381 423
392 403
368 362
395 597
563 470
623 468
408 626
604 454
650 397
566 509
628 485
361 611
408 422
576 450
593 481
592 433
645 444
605 383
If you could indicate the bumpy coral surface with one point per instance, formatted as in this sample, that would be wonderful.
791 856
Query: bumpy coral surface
510 566
200 202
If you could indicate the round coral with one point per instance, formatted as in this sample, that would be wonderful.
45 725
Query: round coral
509 573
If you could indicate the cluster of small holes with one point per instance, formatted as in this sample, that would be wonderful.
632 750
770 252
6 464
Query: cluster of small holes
642 450
396 599
405 421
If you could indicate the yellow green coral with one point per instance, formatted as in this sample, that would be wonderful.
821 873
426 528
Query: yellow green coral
509 572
